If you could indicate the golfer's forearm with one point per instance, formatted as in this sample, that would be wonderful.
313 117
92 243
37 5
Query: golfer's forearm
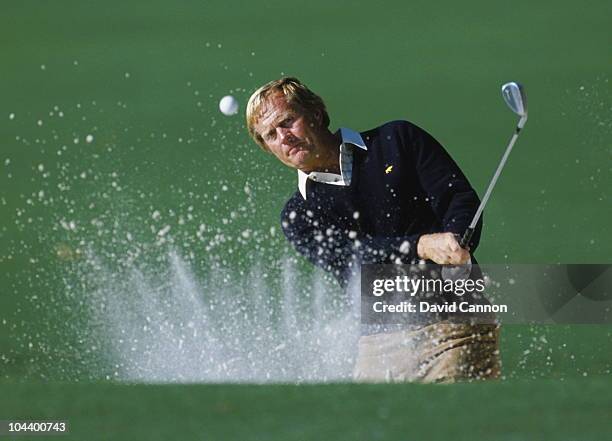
459 214
447 190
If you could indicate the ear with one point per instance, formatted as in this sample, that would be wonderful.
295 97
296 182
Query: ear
318 118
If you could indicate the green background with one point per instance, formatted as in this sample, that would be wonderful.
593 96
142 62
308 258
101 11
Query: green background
144 79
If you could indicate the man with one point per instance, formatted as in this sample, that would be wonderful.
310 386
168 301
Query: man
388 195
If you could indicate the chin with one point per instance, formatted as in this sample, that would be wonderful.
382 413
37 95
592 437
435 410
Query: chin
301 159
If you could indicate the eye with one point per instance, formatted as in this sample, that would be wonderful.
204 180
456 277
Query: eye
287 121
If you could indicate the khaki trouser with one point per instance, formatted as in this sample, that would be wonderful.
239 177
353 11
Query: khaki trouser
439 353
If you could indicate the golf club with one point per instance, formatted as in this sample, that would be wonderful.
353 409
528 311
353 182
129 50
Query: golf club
515 98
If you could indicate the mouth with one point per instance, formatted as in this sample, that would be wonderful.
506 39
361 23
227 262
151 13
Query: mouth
295 149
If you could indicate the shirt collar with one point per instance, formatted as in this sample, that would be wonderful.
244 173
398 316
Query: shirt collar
348 137
352 137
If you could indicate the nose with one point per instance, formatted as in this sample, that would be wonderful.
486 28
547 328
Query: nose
285 135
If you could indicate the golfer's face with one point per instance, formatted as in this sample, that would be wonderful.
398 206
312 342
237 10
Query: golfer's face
288 134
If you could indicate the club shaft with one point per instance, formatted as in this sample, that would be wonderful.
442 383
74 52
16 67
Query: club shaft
500 167
468 233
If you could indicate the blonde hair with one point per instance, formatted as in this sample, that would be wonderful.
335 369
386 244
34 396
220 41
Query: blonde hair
298 96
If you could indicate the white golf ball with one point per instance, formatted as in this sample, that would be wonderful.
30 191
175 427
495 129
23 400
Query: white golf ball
228 105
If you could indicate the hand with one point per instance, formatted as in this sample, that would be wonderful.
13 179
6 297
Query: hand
442 248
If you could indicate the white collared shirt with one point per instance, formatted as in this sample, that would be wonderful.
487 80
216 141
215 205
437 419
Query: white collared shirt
346 163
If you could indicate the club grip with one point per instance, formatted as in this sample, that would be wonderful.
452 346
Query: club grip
466 237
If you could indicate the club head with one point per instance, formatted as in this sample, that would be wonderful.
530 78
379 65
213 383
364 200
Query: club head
515 98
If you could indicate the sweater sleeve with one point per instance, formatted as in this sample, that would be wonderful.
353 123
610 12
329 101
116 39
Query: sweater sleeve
337 251
328 249
450 194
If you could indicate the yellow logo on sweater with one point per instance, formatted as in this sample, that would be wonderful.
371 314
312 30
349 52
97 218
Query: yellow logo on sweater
388 169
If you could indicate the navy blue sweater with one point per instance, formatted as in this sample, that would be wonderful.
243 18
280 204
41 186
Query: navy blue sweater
405 185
